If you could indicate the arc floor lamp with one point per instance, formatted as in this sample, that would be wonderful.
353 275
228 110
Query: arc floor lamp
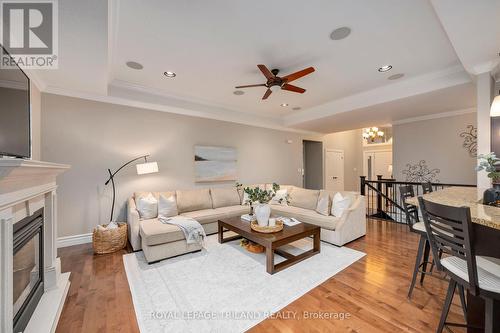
142 169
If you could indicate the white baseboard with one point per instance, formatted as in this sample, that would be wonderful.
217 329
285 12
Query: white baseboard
74 240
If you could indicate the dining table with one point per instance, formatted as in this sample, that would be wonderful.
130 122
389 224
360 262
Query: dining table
485 241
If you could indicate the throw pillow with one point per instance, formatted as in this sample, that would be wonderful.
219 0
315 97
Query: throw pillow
323 203
147 206
167 206
280 198
340 204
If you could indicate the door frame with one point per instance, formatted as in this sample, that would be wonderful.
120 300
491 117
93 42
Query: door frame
324 164
303 169
365 172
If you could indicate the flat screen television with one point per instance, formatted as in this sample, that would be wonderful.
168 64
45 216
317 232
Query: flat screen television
15 131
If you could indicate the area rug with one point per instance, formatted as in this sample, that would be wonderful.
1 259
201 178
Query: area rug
224 288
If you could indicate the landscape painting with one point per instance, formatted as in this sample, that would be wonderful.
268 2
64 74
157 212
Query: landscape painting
215 164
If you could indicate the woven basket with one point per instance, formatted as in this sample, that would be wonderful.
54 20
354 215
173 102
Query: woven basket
108 241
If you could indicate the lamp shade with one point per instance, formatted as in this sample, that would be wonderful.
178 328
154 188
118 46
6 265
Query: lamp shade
495 107
145 168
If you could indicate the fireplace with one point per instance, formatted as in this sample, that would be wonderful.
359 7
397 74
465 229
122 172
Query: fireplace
28 268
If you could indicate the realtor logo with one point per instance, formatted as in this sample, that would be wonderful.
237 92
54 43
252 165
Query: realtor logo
29 33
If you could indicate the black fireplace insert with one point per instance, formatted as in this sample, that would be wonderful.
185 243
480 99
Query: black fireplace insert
27 268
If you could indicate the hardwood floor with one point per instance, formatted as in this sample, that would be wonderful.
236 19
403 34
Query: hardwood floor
370 294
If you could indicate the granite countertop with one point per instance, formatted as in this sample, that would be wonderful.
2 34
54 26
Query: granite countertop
465 196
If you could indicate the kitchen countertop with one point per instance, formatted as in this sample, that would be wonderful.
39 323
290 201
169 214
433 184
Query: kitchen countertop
465 196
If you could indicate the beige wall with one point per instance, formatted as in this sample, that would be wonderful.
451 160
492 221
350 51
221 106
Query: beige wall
438 142
94 136
352 145
36 115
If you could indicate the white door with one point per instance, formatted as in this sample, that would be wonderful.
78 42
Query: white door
334 170
377 163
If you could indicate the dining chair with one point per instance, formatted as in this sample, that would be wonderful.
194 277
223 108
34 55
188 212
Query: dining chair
450 230
427 187
412 219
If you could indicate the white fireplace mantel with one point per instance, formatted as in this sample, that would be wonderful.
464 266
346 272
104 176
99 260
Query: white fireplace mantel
26 186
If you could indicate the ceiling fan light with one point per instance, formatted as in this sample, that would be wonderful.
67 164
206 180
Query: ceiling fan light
274 88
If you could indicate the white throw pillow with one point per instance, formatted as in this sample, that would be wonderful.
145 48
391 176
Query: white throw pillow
167 206
280 195
323 203
147 207
340 204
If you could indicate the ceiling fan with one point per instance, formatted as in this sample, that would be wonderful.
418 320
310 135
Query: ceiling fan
274 82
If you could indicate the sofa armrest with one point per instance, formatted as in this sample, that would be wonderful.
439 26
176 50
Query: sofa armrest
353 220
133 225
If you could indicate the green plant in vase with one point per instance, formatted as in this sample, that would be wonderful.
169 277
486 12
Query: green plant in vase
490 163
261 199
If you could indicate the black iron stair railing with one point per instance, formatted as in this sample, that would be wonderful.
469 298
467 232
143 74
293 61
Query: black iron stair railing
383 200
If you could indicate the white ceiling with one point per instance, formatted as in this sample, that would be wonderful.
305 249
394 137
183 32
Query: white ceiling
459 98
215 45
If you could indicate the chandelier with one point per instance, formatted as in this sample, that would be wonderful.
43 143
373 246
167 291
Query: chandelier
372 133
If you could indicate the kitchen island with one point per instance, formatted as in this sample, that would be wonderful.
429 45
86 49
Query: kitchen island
485 239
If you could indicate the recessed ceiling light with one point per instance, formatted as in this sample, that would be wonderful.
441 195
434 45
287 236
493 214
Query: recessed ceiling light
340 33
134 65
297 108
395 76
385 68
284 104
169 74
238 92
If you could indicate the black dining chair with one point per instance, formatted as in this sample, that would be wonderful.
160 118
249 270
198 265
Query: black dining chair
427 187
412 219
450 230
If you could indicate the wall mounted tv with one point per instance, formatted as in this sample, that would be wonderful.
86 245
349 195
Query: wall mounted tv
15 131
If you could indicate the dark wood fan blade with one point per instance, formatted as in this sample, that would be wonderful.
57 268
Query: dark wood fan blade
268 92
267 73
297 75
251 85
293 88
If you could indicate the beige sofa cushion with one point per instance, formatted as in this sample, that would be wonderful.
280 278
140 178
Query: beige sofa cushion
222 197
302 198
191 200
205 216
153 232
232 211
306 215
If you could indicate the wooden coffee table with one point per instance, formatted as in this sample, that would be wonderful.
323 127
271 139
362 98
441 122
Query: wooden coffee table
273 241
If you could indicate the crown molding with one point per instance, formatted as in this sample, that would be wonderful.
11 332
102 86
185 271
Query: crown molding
435 116
491 66
449 77
219 114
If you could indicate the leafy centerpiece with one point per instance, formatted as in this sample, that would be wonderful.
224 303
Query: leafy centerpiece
260 198
490 163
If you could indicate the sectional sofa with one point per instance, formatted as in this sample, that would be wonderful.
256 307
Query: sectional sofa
208 205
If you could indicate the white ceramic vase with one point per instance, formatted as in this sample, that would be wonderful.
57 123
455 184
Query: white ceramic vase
262 212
